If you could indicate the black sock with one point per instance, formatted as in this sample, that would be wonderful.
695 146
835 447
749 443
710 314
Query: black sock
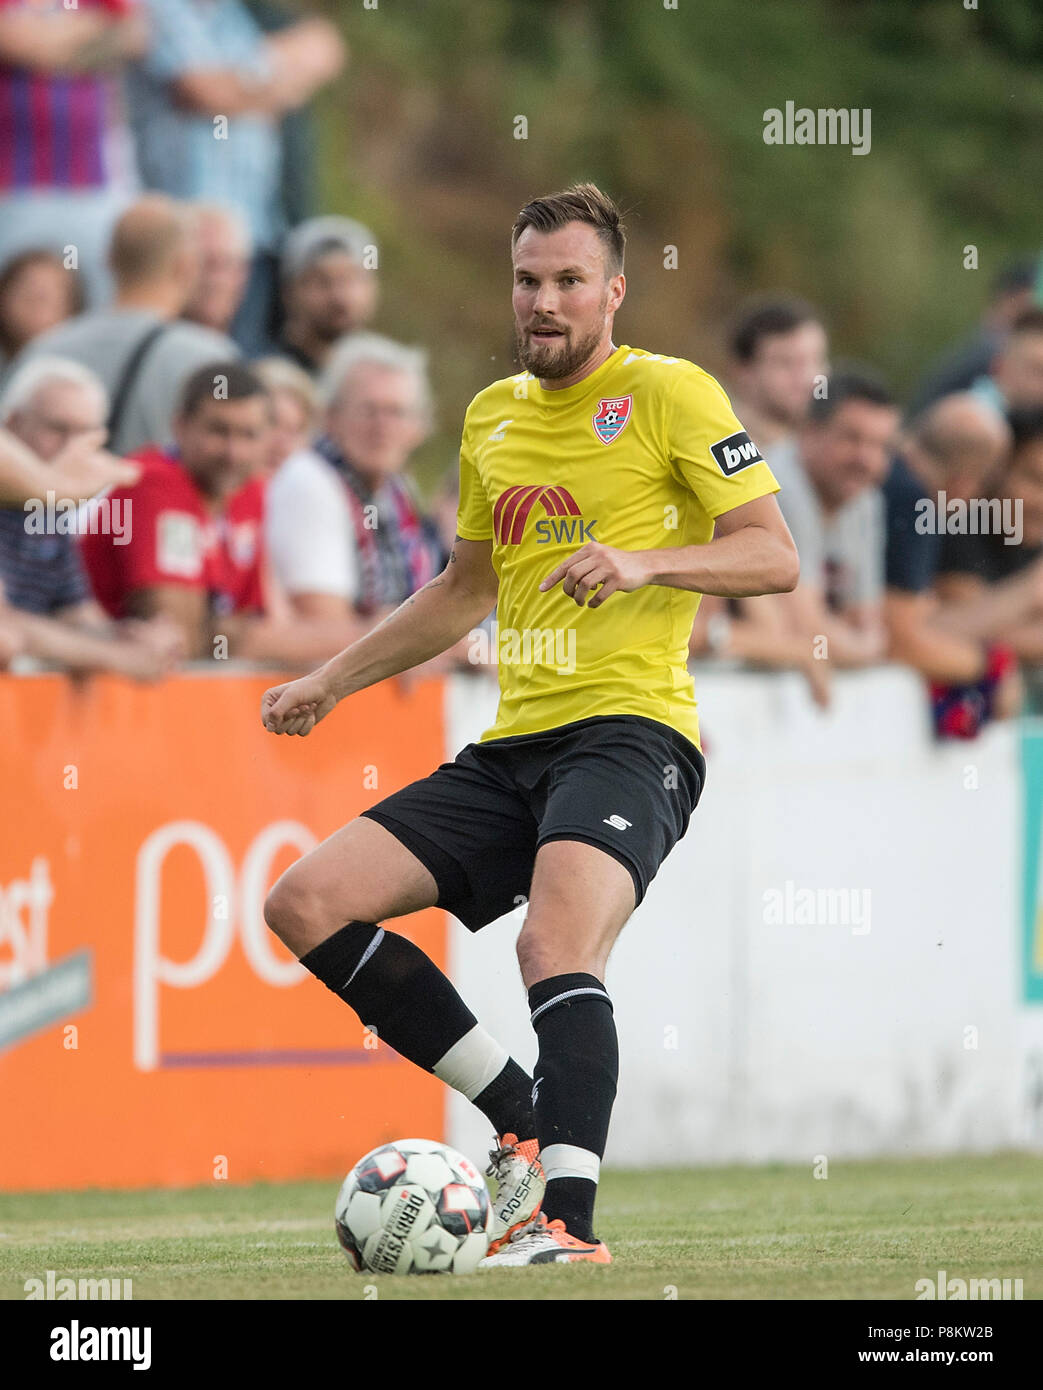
395 989
574 1089
507 1102
401 994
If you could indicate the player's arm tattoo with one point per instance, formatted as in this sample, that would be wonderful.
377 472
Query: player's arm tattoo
435 583
438 580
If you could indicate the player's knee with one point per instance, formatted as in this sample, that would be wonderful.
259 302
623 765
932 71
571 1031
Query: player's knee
294 912
535 954
542 953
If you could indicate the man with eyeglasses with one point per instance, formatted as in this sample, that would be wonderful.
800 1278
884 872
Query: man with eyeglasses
47 608
345 529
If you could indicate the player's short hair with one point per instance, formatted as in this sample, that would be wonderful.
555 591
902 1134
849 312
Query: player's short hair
223 381
1027 324
582 202
767 317
850 383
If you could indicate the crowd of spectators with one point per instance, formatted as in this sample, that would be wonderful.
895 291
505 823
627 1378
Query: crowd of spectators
920 531
181 328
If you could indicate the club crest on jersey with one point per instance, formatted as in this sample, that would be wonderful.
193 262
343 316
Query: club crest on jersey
611 416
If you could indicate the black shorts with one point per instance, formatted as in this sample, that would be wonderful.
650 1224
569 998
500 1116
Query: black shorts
621 782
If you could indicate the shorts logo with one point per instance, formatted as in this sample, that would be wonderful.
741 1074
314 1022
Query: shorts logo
514 505
617 822
736 452
611 417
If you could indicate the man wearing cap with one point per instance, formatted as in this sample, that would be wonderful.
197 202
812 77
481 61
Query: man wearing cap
206 101
329 280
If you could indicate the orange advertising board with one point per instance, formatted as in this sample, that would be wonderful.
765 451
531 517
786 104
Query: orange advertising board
153 1031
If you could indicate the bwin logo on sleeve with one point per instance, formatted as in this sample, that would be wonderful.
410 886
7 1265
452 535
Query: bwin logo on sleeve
736 452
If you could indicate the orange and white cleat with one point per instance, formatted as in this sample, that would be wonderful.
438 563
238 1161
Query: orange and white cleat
544 1242
520 1183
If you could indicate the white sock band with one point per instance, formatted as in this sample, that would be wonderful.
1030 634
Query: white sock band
568 994
472 1063
567 1161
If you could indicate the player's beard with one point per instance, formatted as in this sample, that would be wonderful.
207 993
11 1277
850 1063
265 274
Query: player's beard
552 361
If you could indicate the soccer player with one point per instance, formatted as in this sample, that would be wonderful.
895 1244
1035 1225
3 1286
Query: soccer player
602 490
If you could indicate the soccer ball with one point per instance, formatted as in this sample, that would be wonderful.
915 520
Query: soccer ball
414 1207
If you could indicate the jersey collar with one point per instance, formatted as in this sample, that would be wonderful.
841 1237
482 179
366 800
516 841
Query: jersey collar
591 384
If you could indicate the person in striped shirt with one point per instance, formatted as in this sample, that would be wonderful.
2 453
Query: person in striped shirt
67 166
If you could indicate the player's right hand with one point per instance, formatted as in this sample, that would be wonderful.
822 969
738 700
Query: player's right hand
297 706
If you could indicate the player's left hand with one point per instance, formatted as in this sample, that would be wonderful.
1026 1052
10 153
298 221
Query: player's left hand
596 564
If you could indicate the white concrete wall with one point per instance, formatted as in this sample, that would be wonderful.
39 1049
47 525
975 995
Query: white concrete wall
797 1040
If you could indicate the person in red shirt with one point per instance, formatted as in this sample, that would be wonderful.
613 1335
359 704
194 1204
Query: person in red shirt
194 545
185 542
193 548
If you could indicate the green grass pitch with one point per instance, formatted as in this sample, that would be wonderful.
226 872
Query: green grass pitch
869 1230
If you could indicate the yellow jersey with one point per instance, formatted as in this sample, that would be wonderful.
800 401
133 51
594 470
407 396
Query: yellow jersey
641 454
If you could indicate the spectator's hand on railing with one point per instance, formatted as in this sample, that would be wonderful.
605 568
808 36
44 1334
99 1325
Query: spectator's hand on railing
148 649
297 706
1032 578
161 636
137 662
1009 698
820 681
83 468
12 639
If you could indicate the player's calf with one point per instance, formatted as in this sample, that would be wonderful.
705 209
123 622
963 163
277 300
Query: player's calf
574 1089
